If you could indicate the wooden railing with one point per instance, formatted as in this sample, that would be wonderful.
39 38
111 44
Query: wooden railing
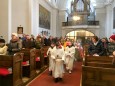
71 23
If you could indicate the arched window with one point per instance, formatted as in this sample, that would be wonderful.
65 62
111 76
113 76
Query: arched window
80 35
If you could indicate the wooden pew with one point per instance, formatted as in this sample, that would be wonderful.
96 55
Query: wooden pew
39 59
29 64
98 71
85 48
98 76
98 61
11 70
46 59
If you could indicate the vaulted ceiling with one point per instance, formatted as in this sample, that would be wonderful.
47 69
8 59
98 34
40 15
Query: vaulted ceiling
62 4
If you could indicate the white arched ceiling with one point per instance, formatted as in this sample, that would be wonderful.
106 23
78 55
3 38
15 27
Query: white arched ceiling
61 4
64 4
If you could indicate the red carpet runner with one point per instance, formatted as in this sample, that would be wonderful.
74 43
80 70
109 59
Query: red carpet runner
72 79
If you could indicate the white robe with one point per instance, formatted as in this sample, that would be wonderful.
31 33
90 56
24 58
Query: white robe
58 56
51 62
69 57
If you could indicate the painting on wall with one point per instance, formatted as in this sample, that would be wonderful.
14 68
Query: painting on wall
20 30
44 17
114 18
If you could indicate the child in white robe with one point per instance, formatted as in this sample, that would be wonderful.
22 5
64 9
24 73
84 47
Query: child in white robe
58 56
51 62
69 57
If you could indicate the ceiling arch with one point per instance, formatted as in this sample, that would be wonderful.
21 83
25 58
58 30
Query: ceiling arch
63 4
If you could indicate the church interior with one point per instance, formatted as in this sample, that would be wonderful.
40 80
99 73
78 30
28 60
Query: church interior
57 43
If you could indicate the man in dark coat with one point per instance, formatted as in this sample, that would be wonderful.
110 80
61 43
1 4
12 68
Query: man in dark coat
96 48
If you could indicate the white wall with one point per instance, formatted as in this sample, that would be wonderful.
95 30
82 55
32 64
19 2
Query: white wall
101 17
4 19
62 18
53 26
109 19
14 13
20 15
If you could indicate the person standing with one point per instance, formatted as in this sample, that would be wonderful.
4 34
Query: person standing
51 62
69 57
58 57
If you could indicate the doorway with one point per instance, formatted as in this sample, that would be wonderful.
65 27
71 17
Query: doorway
82 36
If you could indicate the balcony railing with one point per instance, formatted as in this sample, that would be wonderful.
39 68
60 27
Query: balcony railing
70 23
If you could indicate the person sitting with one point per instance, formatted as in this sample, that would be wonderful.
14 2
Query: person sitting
27 43
15 44
96 47
38 42
3 47
111 45
105 44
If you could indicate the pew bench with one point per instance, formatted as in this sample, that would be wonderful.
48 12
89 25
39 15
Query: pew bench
99 61
38 59
29 63
98 76
11 70
46 59
98 71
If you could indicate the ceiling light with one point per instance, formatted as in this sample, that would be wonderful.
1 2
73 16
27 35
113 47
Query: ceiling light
76 18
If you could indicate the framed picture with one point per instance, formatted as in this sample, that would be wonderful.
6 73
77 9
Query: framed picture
114 18
20 30
44 17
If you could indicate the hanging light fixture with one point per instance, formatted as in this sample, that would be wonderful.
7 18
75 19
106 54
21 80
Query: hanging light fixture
76 18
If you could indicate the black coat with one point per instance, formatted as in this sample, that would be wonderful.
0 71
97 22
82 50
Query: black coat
110 48
96 49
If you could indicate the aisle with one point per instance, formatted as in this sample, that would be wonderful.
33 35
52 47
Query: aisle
72 79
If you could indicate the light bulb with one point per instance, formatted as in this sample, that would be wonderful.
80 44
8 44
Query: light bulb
75 18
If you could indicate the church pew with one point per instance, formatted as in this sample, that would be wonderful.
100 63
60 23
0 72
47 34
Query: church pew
11 70
29 64
46 59
85 48
98 76
39 59
99 61
98 71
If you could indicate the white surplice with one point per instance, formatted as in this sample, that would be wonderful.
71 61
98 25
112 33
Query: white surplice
69 57
58 58
51 62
